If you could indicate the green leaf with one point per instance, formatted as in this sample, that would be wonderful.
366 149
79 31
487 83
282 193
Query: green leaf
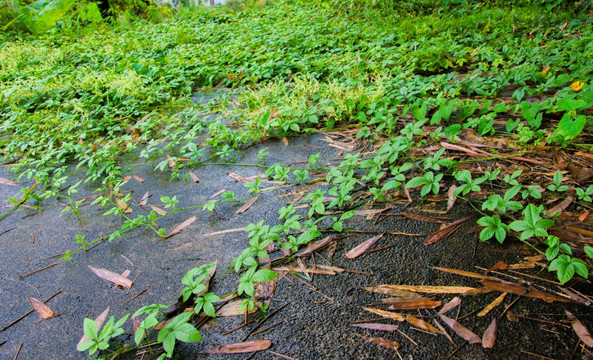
169 343
415 182
86 345
589 251
90 328
187 333
264 275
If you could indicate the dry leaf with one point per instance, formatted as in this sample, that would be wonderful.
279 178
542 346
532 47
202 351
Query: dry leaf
381 289
427 289
285 141
462 149
194 178
461 330
99 321
460 272
490 335
410 304
111 276
451 197
158 210
7 182
373 326
381 341
498 266
123 206
579 230
371 211
492 305
450 305
171 163
232 309
319 244
504 286
422 324
238 348
444 231
126 179
331 250
135 325
444 331
182 226
246 206
43 310
580 329
360 249
144 199
561 206
238 177
386 314
221 191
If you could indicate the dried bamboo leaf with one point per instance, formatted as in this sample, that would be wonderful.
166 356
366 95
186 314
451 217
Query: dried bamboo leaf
40 308
461 330
580 329
460 272
561 206
386 314
381 342
374 326
111 276
444 231
450 305
232 309
422 324
444 331
158 210
238 348
411 304
360 249
319 244
490 335
246 206
371 211
182 226
144 199
381 289
498 266
138 178
451 197
492 305
427 289
7 182
430 219
504 286
99 321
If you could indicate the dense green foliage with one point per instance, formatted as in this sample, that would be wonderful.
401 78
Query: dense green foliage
89 95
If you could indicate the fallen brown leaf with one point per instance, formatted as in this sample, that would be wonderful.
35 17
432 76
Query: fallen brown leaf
158 210
319 244
450 305
182 226
144 199
492 305
373 326
410 304
381 341
40 308
138 178
580 329
371 211
232 309
171 163
427 289
111 276
561 206
461 330
451 197
504 286
246 206
99 321
238 348
7 182
490 335
386 314
381 289
422 324
460 272
498 266
360 249
444 231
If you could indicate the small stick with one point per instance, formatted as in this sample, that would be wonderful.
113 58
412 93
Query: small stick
32 238
2 342
133 281
407 337
17 352
508 307
468 314
454 351
535 277
237 328
536 355
38 270
542 321
29 312
399 355
55 316
313 288
280 355
264 320
5 231
268 328
359 272
382 248
133 297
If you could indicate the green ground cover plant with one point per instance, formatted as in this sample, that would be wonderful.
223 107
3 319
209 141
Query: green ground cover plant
417 82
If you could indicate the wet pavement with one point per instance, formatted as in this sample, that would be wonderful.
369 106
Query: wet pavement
312 325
